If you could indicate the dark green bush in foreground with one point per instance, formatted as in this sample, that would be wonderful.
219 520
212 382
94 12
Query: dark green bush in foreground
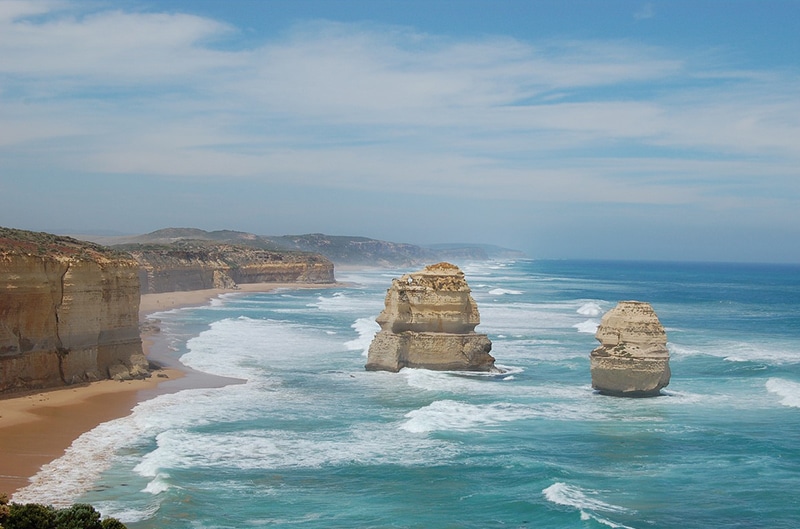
36 516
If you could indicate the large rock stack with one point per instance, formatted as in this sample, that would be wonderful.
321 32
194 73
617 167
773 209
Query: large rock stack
632 360
429 322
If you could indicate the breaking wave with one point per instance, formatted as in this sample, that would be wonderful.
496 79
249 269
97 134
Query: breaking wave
787 390
586 502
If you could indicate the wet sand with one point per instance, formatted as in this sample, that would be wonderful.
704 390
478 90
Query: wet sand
37 428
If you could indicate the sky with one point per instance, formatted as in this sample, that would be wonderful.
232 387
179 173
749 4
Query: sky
656 130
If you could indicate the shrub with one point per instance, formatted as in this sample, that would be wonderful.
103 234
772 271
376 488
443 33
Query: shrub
113 523
36 516
30 516
79 516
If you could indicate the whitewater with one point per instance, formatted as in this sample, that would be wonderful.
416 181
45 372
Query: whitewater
311 439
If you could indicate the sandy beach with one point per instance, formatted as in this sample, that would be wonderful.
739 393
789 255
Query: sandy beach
37 428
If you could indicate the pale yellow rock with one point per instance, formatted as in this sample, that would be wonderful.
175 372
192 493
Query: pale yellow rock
632 359
68 311
429 322
202 265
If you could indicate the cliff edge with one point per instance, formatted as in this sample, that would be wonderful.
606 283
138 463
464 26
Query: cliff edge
69 312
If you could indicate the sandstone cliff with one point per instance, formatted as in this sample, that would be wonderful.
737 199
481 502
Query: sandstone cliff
68 312
632 359
429 321
197 265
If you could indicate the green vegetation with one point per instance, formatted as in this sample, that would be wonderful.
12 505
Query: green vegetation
40 243
37 516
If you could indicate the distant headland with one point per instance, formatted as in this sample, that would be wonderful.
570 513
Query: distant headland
342 250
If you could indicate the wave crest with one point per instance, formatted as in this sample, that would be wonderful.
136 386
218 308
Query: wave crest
572 496
787 390
590 309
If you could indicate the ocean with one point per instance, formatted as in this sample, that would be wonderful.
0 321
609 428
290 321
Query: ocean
313 440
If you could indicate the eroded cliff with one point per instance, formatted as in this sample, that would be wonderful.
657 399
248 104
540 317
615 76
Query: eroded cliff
68 312
198 265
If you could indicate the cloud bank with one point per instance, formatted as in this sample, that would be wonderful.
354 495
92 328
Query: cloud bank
544 125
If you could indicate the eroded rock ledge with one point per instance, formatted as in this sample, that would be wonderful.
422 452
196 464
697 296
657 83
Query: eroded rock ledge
69 312
429 321
632 360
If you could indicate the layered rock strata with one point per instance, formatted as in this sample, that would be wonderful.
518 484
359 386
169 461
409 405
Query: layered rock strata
632 360
429 322
69 312
200 265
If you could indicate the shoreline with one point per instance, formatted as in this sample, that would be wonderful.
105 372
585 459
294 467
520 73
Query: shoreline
38 427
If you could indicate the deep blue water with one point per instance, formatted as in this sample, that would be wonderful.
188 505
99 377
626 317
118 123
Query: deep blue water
313 440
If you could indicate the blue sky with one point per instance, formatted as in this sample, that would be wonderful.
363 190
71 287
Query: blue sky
619 129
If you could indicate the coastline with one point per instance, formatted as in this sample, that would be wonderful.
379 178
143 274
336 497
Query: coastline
38 427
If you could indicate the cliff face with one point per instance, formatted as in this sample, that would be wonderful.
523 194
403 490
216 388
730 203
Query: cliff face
198 265
632 359
68 312
429 322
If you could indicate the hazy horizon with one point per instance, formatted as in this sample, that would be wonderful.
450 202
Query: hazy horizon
617 130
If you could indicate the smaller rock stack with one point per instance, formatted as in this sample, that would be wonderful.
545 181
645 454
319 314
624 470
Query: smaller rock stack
429 322
632 360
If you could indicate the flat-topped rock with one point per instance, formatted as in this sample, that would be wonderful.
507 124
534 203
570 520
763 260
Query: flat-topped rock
429 321
632 360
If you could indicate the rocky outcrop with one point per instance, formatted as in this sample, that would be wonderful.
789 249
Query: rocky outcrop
69 312
429 321
198 265
632 360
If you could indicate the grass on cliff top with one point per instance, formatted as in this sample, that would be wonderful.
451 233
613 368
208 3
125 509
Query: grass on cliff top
14 241
222 249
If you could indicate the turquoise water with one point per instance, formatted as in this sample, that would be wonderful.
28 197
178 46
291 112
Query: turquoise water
313 440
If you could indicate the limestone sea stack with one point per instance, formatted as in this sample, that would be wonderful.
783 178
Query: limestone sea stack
429 322
632 360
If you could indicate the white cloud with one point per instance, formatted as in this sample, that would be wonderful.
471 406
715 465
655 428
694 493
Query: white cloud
360 107
109 47
11 10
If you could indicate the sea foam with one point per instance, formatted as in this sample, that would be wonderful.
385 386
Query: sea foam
453 415
590 309
588 326
787 390
773 353
284 449
505 291
586 502
366 329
